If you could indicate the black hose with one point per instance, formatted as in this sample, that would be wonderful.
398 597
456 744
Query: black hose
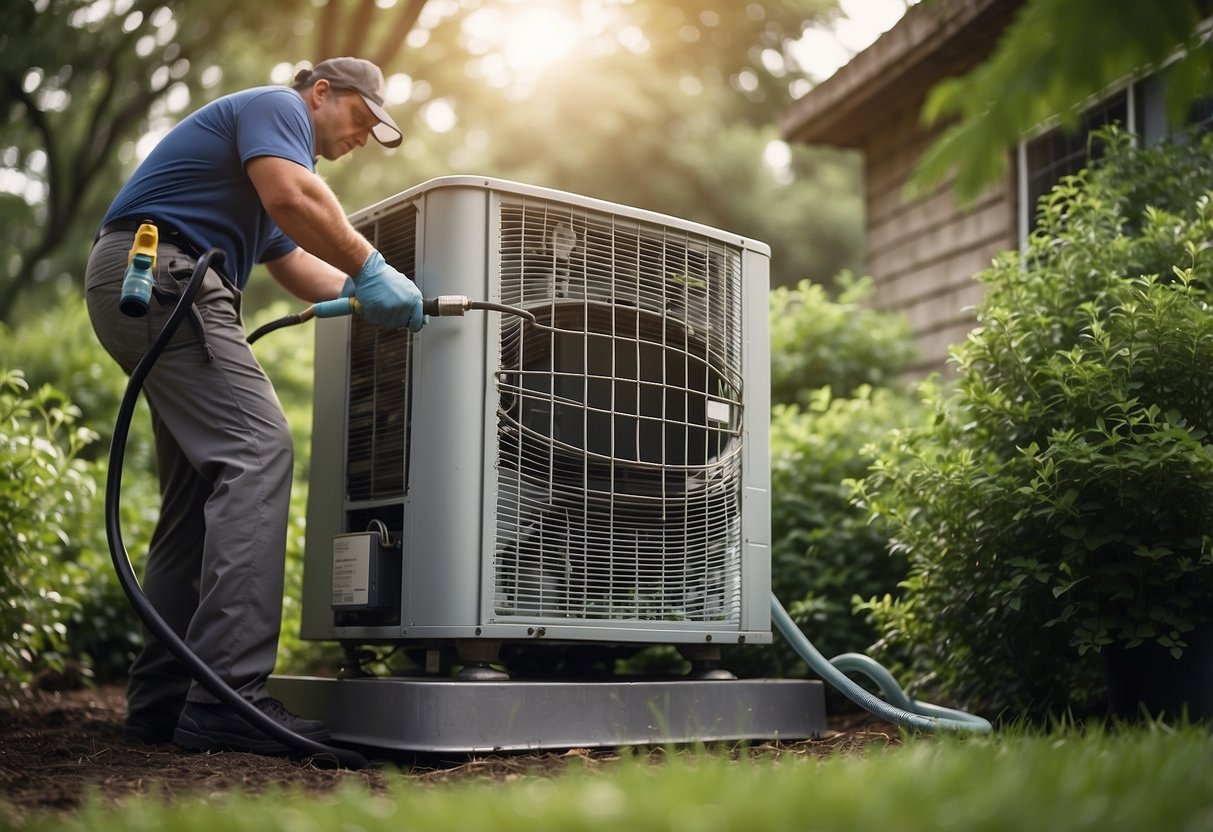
278 323
126 573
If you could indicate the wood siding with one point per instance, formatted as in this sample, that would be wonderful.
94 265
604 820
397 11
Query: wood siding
924 252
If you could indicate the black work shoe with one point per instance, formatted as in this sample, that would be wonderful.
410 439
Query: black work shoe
217 727
148 731
151 726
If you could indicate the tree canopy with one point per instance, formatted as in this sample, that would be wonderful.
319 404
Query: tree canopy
1050 61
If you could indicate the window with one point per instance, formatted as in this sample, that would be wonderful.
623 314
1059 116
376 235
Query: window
1045 159
1058 153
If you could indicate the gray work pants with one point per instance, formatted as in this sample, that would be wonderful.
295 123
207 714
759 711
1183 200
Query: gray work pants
223 449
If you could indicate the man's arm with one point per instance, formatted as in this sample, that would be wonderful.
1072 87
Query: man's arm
306 276
307 211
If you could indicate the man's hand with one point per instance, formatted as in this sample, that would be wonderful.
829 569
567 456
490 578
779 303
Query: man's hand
388 298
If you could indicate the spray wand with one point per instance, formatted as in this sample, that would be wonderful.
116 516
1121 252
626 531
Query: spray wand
442 306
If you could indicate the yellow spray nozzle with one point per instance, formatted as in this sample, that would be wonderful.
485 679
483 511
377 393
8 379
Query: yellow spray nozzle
140 272
147 238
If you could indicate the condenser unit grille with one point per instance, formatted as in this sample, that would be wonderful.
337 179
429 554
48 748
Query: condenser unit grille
377 419
619 422
377 422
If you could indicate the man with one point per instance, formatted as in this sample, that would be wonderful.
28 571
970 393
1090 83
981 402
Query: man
238 175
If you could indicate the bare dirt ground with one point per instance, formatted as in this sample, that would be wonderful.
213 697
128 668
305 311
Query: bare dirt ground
58 747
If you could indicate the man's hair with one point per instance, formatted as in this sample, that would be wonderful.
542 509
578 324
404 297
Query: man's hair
304 81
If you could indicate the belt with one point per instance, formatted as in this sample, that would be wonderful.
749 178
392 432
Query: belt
168 233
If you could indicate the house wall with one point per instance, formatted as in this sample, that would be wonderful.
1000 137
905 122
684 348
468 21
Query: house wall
923 252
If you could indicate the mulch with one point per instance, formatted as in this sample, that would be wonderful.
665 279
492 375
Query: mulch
57 748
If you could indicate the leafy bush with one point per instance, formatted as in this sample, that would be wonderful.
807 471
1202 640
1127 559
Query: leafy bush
1062 499
77 365
818 341
824 551
102 632
40 479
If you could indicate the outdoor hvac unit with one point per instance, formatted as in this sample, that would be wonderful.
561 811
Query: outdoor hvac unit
600 474
497 492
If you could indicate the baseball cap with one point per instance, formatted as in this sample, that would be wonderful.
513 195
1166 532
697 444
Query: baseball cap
364 78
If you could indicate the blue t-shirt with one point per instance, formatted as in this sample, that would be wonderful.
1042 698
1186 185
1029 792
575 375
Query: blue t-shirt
195 177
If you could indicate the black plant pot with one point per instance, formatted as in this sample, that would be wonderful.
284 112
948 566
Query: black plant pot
1147 679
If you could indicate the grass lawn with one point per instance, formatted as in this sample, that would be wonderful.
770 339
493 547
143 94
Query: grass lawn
1147 778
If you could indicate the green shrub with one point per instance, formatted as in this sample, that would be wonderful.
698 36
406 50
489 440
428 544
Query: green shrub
40 479
818 341
825 552
1062 499
101 630
77 365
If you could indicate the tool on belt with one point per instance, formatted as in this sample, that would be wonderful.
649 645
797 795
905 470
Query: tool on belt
140 270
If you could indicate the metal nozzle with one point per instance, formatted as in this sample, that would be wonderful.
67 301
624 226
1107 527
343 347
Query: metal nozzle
446 305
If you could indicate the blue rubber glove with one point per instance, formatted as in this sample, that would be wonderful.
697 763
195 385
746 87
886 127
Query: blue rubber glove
347 291
388 298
